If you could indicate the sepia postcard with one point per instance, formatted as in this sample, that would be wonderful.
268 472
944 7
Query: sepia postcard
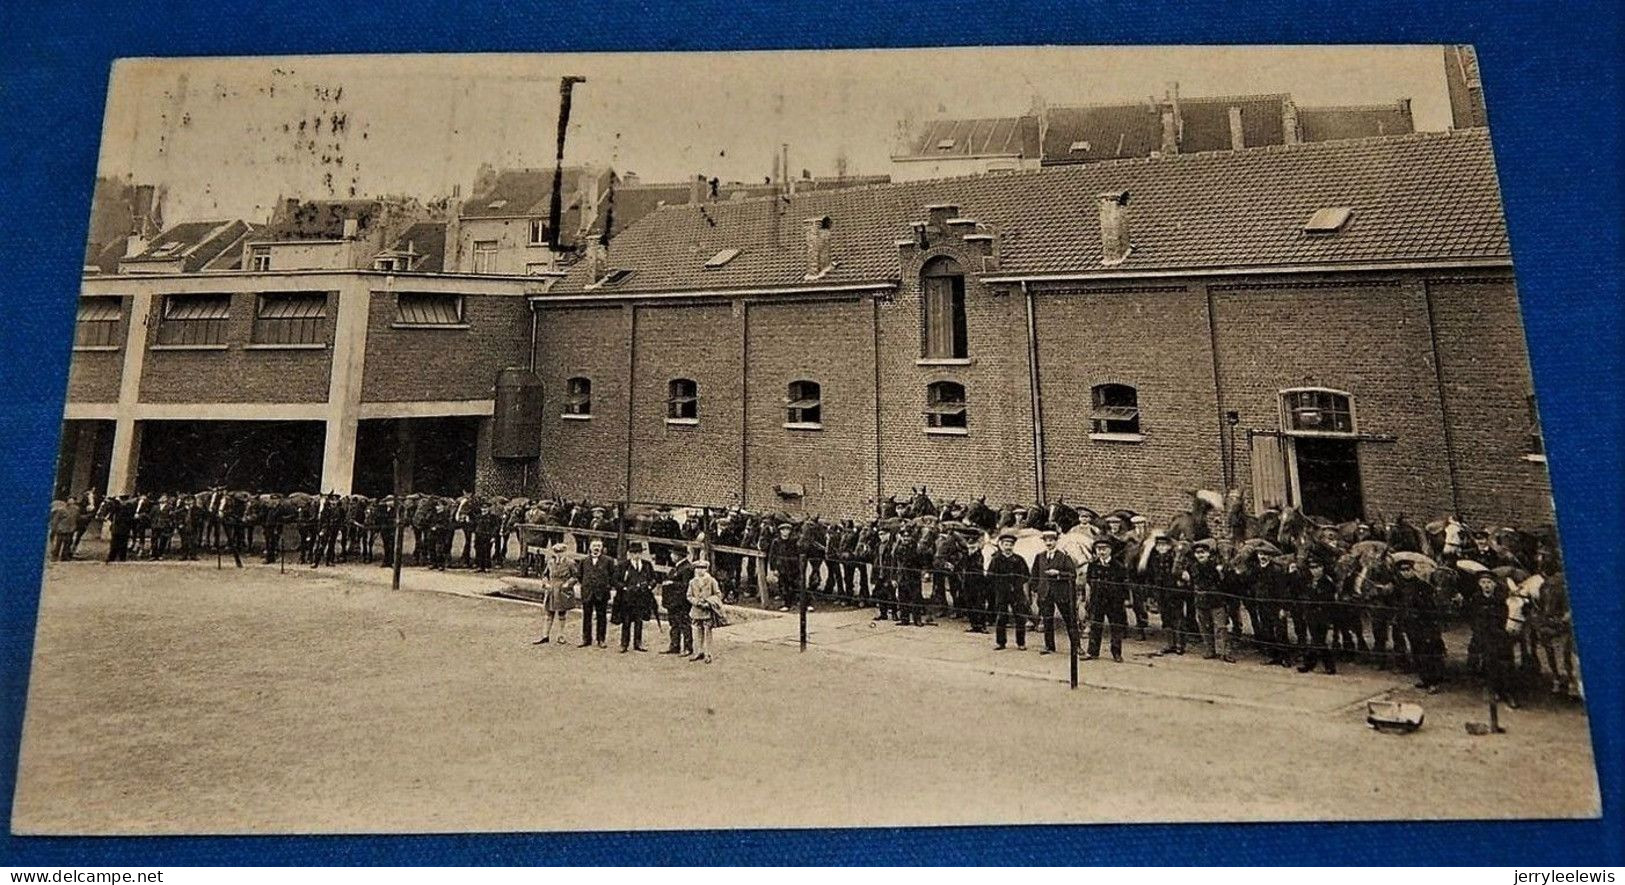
469 443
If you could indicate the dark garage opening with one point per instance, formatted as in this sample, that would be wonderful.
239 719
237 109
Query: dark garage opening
84 458
258 456
436 455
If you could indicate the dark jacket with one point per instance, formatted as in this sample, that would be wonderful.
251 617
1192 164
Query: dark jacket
674 591
1061 587
597 578
636 599
1108 585
1007 575
1207 583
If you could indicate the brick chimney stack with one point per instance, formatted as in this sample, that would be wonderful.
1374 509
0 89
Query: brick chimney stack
1238 135
1172 123
597 262
819 256
1114 231
1289 122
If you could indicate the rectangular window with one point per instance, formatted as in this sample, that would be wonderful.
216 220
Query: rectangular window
98 323
485 256
1116 410
259 258
945 406
194 320
428 309
538 232
578 398
945 327
291 318
683 400
1537 442
1318 411
804 405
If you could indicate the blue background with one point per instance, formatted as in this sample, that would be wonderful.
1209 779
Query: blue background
1551 76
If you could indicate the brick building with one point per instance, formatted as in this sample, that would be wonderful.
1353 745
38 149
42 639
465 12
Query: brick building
297 366
1333 325
1173 124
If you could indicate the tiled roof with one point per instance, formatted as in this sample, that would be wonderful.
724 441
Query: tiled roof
526 192
1361 121
426 239
1090 133
320 219
194 243
967 138
634 201
1421 197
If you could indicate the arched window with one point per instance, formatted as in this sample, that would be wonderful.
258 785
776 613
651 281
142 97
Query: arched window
804 404
1316 410
944 334
1116 410
578 398
682 401
945 406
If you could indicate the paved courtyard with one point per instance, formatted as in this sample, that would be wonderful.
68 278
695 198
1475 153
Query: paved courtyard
177 698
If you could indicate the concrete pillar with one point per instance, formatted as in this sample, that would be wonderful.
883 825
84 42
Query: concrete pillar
121 477
344 385
86 434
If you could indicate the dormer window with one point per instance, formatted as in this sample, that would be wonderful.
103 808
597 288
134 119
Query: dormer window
259 258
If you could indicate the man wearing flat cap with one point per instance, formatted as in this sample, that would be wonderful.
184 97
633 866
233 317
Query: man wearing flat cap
1007 575
1055 578
1107 585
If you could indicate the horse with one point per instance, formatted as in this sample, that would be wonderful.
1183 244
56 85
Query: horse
1191 524
981 515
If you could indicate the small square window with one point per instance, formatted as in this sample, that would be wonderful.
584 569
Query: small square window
578 397
804 403
259 258
538 232
1116 410
945 406
485 256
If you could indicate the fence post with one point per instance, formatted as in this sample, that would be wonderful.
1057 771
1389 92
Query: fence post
400 538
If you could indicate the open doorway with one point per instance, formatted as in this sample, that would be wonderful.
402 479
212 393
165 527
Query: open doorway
1327 471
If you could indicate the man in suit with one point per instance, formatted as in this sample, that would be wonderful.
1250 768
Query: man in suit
785 557
635 598
1107 584
1007 575
1055 577
674 599
190 520
1173 601
598 572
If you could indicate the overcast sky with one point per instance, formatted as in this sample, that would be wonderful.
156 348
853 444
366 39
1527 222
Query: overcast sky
224 135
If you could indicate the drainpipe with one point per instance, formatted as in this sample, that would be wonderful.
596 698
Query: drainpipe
1033 390
524 471
631 376
744 400
534 314
1444 403
1227 465
874 302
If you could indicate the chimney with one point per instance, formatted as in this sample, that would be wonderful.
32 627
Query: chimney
1172 123
134 244
451 258
352 226
1289 122
597 262
938 214
696 190
145 212
1404 105
819 259
1238 138
1114 239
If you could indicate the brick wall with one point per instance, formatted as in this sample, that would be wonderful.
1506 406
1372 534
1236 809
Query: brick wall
1152 338
444 364
1370 340
830 342
94 375
1485 363
492 476
683 463
996 457
238 374
584 458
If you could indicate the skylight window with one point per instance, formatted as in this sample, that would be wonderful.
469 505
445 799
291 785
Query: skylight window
722 258
496 204
947 144
1328 220
168 248
615 276
1079 147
